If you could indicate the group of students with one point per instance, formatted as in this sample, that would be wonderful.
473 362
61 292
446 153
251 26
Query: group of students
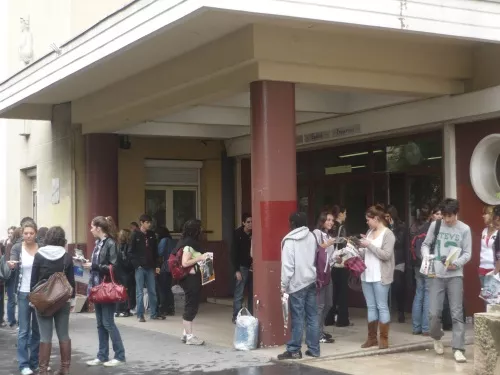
35 257
302 279
143 264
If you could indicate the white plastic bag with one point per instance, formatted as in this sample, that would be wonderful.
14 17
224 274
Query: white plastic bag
285 309
491 290
246 333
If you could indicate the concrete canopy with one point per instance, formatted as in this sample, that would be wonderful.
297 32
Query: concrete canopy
153 59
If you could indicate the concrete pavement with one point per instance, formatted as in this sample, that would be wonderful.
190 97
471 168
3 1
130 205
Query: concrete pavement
153 353
154 347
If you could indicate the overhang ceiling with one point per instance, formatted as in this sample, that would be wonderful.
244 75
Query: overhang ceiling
230 117
164 62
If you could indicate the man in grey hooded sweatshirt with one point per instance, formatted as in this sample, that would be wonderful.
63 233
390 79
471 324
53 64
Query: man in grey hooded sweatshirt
298 280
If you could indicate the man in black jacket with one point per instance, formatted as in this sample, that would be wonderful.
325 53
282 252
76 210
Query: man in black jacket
143 252
242 263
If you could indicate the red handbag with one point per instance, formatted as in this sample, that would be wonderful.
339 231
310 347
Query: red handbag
356 265
108 291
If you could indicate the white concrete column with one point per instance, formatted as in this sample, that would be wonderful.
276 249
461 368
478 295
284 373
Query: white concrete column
449 161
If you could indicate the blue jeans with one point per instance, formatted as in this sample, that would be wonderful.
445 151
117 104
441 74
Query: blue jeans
28 336
304 307
106 328
239 291
377 301
10 287
145 277
420 309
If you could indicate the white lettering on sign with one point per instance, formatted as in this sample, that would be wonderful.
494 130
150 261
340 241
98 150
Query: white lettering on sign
345 131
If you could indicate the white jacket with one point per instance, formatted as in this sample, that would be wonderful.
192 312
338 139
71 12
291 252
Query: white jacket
298 258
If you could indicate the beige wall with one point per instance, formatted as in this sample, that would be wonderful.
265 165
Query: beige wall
48 149
85 13
131 179
486 72
80 197
54 21
56 149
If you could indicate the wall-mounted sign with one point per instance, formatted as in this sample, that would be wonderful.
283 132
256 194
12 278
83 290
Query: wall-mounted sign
338 170
346 131
55 191
342 132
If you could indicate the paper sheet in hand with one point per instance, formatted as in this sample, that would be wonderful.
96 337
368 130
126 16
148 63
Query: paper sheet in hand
207 269
452 256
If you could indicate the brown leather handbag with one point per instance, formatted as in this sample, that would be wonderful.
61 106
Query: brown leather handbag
49 296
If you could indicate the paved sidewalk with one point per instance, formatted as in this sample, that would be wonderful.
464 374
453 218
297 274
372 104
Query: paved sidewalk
414 363
213 324
151 353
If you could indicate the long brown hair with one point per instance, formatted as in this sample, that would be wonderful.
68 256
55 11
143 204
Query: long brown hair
123 236
106 224
322 218
378 212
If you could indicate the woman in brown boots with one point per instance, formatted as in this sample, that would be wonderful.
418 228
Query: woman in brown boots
376 280
48 260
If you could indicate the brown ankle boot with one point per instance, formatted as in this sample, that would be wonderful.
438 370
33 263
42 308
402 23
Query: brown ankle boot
372 335
44 358
65 349
384 336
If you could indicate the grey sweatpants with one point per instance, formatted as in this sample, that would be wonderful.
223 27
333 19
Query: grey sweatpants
454 287
60 320
325 297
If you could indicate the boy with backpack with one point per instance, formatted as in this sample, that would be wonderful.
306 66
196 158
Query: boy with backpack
446 238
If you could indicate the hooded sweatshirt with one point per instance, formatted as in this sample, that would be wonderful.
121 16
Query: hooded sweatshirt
298 255
49 260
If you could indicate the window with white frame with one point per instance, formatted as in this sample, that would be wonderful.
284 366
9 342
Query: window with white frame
172 192
31 174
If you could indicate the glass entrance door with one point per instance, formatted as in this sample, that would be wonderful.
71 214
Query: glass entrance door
351 192
356 199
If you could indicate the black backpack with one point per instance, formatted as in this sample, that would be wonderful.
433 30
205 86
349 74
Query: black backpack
417 241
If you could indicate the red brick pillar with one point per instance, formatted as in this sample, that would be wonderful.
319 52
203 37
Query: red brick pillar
102 179
274 197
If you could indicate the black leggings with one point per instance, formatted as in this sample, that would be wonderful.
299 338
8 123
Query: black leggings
191 285
399 290
340 279
166 305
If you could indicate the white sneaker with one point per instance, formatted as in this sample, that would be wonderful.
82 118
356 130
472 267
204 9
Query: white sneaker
94 362
438 347
193 340
26 371
459 356
113 363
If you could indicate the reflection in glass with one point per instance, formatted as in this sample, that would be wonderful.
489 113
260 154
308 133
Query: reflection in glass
156 207
184 207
